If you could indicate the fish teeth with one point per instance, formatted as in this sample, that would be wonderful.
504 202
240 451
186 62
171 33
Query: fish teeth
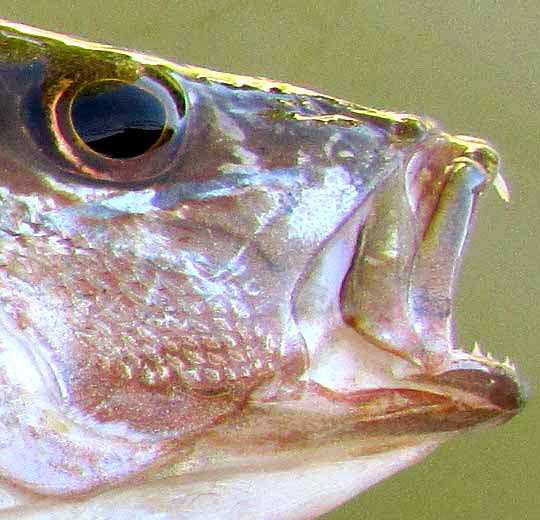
477 351
502 188
508 364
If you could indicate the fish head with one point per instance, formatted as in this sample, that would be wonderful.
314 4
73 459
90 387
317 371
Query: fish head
220 292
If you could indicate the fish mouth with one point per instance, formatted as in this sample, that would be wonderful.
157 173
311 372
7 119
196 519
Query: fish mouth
392 354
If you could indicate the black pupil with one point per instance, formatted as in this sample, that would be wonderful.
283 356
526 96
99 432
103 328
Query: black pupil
117 119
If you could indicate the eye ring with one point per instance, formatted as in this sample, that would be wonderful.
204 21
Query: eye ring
119 131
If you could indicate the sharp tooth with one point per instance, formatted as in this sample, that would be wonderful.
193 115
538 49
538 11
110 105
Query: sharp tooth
477 351
502 188
508 364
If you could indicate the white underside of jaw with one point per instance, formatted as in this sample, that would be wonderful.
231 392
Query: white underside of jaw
300 493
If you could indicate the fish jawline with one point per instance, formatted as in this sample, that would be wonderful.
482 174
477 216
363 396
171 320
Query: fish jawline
301 492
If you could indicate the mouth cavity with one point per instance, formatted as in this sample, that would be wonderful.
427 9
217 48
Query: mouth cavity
399 291
375 309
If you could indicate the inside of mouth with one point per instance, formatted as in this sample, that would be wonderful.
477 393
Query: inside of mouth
401 284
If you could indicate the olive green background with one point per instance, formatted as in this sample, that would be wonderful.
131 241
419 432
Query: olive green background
474 66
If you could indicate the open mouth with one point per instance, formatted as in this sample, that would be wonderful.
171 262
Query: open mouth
392 350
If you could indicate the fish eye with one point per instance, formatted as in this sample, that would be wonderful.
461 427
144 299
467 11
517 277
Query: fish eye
118 120
119 131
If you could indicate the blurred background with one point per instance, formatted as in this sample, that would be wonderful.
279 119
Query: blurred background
473 66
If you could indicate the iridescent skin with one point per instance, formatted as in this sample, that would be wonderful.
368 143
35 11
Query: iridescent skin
251 320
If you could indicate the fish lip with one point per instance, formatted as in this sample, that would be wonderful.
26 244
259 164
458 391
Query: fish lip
433 403
480 391
482 375
491 389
